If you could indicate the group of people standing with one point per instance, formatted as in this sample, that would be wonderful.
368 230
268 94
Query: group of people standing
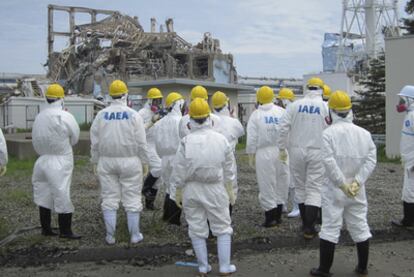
307 149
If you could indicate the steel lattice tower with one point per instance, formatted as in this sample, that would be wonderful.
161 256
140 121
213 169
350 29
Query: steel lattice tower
363 27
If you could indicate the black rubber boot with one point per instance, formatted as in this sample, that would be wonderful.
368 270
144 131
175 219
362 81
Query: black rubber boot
408 219
45 219
230 209
65 227
278 214
150 199
326 256
311 213
302 213
149 192
363 253
270 218
172 213
319 217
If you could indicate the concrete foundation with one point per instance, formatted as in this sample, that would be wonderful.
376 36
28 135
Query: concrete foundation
20 145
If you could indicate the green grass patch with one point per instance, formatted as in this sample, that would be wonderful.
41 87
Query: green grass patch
241 145
17 195
20 167
86 126
382 157
81 161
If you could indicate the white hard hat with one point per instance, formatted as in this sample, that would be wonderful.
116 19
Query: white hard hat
407 91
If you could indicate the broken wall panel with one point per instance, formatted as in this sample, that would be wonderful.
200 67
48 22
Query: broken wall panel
117 46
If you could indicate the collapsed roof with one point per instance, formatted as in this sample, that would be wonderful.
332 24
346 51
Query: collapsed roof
118 47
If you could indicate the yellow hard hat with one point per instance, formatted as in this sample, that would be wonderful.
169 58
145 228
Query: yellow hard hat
286 93
199 92
326 92
154 93
117 88
199 108
340 101
55 91
219 99
172 97
315 82
265 95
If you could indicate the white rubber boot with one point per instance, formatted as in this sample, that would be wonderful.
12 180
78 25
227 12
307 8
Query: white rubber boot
200 249
110 225
133 227
224 252
295 211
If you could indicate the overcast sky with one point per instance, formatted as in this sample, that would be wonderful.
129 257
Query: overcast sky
271 38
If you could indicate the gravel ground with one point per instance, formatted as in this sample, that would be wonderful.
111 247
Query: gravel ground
17 209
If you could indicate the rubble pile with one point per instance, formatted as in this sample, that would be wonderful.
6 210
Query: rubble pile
118 47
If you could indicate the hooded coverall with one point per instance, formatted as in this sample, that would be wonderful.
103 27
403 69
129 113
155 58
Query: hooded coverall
54 133
203 165
119 147
272 174
3 150
349 155
166 142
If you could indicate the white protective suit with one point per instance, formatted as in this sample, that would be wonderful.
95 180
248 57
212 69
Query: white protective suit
272 174
185 124
119 147
203 165
232 129
54 133
349 155
167 141
154 159
301 130
407 155
4 158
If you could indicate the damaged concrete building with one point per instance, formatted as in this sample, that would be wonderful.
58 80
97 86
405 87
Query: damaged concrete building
118 47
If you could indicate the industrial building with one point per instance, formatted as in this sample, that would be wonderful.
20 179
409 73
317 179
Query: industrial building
399 72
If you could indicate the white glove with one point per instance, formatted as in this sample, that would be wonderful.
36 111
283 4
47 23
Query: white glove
230 192
283 155
145 170
347 189
252 161
3 170
179 198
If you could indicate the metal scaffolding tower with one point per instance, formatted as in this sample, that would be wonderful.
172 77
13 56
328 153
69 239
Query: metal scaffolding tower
363 27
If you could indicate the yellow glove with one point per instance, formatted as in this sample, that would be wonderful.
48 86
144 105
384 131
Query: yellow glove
145 170
230 192
3 170
283 155
355 187
347 189
252 161
179 197
95 170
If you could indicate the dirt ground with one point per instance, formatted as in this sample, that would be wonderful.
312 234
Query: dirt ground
17 209
393 259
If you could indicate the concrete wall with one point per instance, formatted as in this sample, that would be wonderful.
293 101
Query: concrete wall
399 71
20 145
21 111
